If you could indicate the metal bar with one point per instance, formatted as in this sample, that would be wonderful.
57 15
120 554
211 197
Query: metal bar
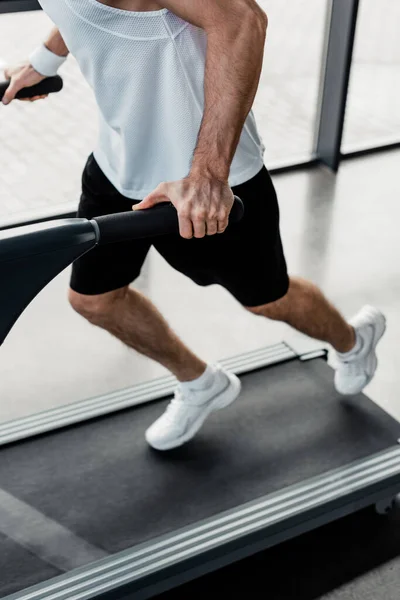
158 565
41 218
141 393
10 6
343 21
369 149
300 166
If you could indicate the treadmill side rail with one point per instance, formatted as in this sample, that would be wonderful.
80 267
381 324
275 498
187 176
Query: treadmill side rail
161 564
141 393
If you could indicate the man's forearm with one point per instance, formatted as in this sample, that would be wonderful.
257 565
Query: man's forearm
56 44
233 67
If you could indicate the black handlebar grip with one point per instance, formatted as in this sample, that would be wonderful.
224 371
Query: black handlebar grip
47 86
160 220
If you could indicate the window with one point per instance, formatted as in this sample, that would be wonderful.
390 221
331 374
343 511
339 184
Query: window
43 145
373 103
287 102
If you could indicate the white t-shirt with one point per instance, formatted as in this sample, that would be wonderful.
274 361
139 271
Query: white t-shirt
147 73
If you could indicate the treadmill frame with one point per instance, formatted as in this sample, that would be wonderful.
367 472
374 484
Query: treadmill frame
170 560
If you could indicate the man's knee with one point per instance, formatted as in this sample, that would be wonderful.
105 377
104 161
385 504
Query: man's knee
95 308
257 310
270 311
300 297
276 310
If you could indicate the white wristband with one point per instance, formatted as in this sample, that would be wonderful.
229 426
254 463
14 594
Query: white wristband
46 62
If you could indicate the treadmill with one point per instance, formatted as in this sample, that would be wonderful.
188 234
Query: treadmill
88 510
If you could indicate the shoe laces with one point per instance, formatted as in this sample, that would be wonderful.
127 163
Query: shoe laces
178 404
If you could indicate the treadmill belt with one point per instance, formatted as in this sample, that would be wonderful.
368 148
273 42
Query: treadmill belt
101 482
19 568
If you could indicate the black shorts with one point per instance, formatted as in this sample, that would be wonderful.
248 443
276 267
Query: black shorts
247 259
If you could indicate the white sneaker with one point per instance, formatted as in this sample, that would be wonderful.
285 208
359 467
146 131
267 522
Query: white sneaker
356 369
188 410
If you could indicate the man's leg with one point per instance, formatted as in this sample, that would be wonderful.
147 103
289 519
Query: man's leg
306 309
133 319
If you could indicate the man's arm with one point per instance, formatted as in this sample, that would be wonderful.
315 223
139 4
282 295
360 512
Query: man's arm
25 75
236 32
56 44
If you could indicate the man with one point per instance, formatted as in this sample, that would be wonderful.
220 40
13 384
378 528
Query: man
175 81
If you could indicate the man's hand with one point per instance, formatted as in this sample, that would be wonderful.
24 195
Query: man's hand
21 77
203 204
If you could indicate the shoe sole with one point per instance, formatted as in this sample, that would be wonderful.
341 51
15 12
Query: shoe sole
379 329
222 400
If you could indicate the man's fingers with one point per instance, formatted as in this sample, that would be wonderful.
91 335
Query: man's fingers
222 225
11 91
155 197
199 228
199 219
15 86
34 98
185 227
212 226
206 225
144 204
